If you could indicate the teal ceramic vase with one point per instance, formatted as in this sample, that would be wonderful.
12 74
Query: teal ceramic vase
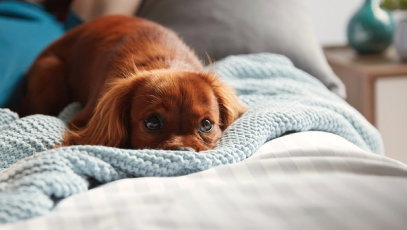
371 29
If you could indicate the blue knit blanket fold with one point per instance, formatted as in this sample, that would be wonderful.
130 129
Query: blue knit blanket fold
281 98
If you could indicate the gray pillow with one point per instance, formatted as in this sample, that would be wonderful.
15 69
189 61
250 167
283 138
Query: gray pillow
226 27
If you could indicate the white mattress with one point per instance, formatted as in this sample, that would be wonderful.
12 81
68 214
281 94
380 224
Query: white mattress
309 180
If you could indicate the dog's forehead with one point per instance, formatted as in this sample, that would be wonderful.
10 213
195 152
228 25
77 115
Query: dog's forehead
176 95
182 86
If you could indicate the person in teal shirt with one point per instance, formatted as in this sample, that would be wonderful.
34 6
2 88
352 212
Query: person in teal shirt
26 28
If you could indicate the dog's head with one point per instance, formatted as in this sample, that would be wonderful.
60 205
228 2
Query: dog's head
161 109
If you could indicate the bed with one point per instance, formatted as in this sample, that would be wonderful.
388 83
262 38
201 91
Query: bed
307 180
300 158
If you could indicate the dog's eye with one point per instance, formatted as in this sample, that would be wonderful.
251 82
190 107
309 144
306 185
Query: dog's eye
205 126
153 122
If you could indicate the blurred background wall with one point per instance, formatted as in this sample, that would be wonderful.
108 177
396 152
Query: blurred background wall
331 18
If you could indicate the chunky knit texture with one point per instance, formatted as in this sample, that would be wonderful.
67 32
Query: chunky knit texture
282 98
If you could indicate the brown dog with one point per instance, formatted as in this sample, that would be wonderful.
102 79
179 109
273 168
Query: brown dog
139 84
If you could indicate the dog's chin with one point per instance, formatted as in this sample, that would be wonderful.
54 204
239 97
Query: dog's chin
174 147
187 142
179 143
185 147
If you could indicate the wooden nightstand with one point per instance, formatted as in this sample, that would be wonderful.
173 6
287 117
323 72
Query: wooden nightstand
376 86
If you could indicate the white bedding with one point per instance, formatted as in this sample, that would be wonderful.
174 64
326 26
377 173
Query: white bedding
308 180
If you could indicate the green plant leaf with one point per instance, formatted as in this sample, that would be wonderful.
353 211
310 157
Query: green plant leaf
394 4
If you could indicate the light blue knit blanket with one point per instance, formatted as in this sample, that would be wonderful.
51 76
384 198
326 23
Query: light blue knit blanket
282 98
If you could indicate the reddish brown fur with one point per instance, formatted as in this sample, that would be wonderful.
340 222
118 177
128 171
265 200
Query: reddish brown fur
122 70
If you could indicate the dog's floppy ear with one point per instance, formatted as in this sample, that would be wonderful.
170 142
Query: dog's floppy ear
108 125
229 106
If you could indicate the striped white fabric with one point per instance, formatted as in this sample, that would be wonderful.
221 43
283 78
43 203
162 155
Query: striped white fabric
309 180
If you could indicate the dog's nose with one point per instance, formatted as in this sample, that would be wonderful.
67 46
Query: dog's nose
184 149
